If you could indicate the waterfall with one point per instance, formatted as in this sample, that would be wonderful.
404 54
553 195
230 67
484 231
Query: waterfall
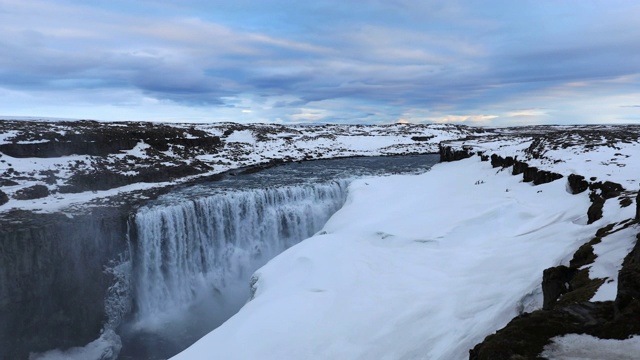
208 248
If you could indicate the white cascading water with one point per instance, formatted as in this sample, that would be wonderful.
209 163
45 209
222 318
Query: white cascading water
202 249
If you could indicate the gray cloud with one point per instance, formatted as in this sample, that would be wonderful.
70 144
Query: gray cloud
464 60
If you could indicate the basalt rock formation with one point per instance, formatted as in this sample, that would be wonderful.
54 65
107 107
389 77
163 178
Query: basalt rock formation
448 153
46 261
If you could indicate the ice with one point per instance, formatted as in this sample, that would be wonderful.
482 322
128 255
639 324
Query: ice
586 347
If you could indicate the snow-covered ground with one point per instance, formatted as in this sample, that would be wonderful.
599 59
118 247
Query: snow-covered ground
425 267
176 149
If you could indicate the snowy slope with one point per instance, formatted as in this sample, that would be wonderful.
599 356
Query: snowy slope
412 267
425 267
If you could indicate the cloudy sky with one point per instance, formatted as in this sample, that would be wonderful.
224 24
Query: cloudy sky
491 62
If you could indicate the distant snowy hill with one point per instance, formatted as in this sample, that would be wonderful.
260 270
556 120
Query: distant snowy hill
46 165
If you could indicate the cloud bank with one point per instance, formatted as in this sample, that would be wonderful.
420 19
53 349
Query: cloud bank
371 61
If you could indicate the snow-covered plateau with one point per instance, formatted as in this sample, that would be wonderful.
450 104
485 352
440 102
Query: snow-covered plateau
520 244
50 165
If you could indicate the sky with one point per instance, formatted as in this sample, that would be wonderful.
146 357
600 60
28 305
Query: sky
488 63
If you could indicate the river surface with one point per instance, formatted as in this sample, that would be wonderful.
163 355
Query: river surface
194 250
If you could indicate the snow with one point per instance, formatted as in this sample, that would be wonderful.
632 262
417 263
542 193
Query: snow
105 347
586 347
139 150
407 269
243 136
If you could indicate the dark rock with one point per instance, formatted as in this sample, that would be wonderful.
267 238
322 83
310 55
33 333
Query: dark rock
638 206
629 281
577 183
32 192
508 161
3 198
543 177
595 210
555 282
7 182
499 161
422 138
608 189
91 138
611 189
105 180
625 201
52 279
448 153
529 174
496 161
519 167
56 148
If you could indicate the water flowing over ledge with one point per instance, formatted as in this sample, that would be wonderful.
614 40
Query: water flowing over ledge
196 247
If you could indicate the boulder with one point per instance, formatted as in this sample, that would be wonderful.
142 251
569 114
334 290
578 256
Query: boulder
595 210
629 282
577 183
448 153
3 198
32 192
555 282
519 167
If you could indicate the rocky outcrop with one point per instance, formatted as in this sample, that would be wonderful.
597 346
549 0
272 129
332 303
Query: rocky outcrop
32 192
608 189
52 268
567 309
519 167
530 174
526 335
627 301
498 161
449 153
577 183
95 139
3 198
555 282
638 206
594 212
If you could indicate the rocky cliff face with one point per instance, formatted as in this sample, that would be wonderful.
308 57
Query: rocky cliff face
53 282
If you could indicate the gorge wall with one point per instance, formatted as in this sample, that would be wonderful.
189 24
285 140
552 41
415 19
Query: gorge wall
53 281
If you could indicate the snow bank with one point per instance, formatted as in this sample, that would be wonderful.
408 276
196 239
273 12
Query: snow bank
411 267
585 347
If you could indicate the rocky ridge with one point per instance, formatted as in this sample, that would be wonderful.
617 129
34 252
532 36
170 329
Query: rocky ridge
573 300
